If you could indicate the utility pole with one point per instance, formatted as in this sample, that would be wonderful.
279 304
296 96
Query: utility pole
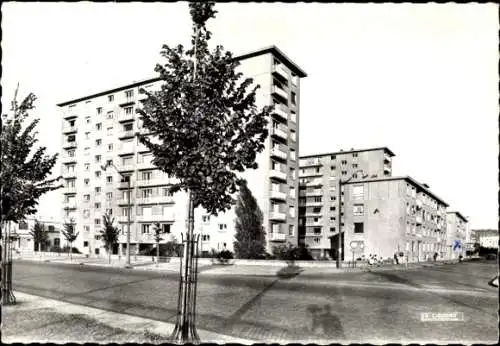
339 240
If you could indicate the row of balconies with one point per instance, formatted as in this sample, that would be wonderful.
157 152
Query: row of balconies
148 218
148 200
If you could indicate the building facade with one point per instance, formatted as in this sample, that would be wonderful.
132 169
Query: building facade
101 129
23 240
319 209
391 215
456 233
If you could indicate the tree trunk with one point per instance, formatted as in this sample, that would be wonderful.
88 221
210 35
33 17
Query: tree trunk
109 256
71 252
157 253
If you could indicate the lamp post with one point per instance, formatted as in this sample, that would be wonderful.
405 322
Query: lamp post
129 206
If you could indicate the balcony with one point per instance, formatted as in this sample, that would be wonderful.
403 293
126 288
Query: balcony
277 236
312 204
311 162
313 214
69 175
278 195
314 224
69 145
125 149
278 153
124 184
124 219
68 159
154 182
280 71
155 200
126 168
277 216
69 129
280 112
146 165
277 174
317 192
155 218
67 190
126 134
69 205
279 133
124 116
387 159
313 234
280 92
387 168
124 201
418 220
419 202
315 182
70 116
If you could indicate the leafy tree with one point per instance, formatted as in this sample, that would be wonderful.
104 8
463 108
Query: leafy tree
70 234
24 172
39 234
109 234
204 119
291 252
250 237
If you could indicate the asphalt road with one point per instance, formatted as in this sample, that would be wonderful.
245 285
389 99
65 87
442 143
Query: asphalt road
375 307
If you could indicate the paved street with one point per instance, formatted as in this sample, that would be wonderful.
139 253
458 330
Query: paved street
376 306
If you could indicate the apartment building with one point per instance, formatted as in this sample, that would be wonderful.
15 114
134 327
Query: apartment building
100 128
456 230
319 207
394 214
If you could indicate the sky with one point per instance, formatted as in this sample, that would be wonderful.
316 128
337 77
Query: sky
419 79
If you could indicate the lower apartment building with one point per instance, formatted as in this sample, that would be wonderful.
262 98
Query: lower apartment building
22 240
392 215
457 233
102 128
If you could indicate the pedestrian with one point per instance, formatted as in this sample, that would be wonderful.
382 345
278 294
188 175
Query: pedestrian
370 259
435 256
396 259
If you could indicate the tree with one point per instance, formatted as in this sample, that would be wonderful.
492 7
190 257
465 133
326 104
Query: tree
109 234
158 232
24 174
203 127
39 234
250 237
70 234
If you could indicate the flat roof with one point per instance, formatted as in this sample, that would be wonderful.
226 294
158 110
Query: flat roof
389 151
409 179
460 215
271 49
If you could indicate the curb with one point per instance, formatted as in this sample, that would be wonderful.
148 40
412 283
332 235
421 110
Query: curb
129 323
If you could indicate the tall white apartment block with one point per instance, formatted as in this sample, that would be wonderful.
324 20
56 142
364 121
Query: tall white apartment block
101 128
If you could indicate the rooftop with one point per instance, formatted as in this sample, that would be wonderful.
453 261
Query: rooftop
386 149
458 214
270 49
420 187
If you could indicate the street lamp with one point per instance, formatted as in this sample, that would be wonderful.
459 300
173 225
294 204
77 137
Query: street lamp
129 193
339 240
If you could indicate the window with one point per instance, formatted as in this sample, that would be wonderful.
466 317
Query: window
291 211
147 175
333 168
358 209
109 131
292 173
292 191
291 230
358 227
222 226
71 153
317 230
165 228
111 98
109 180
126 211
333 208
110 146
332 229
354 154
97 221
129 110
87 120
110 115
86 182
333 157
71 138
333 198
85 243
87 135
86 151
145 228
109 162
357 191
98 126
97 205
97 190
166 192
109 211
344 172
354 165
206 219
317 210
129 94
98 158
99 110
294 98
98 142
109 196
344 162
128 127
97 174
86 197
97 237
87 166
146 193
205 237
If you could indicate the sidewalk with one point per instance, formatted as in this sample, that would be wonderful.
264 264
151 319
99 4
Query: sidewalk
37 319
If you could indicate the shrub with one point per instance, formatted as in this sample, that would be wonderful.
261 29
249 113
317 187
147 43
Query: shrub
73 250
55 248
226 255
